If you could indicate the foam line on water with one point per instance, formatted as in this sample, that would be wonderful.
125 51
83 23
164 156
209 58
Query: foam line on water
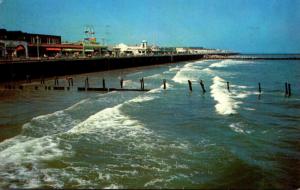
190 71
113 117
229 102
23 158
225 103
228 62
239 128
59 121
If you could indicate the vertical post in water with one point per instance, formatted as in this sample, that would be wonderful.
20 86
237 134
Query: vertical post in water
142 83
72 81
190 85
202 86
103 83
259 88
121 82
164 82
228 88
87 82
286 89
289 88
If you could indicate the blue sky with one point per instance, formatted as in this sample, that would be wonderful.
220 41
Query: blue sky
253 26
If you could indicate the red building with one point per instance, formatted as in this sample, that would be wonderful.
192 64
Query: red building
21 44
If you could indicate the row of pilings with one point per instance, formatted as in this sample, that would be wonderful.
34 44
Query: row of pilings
287 86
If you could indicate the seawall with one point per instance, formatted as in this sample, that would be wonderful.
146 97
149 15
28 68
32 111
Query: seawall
18 70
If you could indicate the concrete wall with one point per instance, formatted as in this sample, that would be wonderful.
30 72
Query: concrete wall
49 68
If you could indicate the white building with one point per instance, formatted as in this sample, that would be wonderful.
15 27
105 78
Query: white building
180 50
124 49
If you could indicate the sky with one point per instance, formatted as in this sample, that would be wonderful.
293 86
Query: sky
246 26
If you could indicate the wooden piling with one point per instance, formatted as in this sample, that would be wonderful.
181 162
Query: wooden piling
289 88
142 84
164 82
103 83
202 86
259 88
286 89
121 82
228 88
36 87
190 85
87 82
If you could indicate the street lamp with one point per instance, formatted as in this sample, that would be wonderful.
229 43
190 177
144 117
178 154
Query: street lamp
37 47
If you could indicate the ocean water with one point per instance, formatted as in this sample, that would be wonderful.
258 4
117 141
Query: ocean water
169 138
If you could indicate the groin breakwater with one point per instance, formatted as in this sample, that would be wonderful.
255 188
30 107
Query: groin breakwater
22 70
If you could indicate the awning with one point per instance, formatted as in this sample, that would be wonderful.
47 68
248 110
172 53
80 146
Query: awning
72 50
19 48
53 49
89 50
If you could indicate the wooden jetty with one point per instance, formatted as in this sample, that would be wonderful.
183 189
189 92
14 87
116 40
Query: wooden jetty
111 89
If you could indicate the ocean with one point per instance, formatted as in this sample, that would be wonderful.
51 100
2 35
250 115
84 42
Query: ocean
169 138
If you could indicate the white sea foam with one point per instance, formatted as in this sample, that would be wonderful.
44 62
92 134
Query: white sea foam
24 156
228 62
112 118
239 128
226 104
177 68
113 186
249 109
190 71
153 76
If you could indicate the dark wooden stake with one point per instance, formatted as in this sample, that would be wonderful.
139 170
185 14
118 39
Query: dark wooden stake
142 84
259 88
164 82
87 82
289 88
121 82
202 86
190 85
286 89
103 83
228 88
